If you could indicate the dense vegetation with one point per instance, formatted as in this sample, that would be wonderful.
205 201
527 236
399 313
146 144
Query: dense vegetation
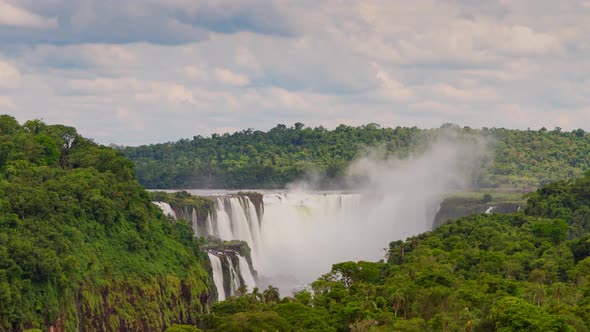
81 245
256 159
526 271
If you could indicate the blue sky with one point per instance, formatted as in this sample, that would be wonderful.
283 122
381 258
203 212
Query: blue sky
146 71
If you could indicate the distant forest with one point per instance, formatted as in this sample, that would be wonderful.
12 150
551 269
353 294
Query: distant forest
521 159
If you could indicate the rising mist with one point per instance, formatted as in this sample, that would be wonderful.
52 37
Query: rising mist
393 199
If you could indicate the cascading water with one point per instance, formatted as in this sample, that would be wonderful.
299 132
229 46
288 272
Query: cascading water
234 278
301 234
217 276
246 273
195 222
166 208
222 220
209 225
254 223
239 221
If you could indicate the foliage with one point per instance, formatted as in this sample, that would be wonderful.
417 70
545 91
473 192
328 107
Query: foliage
182 328
256 159
81 245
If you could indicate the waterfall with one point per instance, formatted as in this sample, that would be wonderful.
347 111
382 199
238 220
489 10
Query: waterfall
209 227
246 273
301 234
254 223
240 221
187 213
222 220
234 277
195 222
217 276
166 208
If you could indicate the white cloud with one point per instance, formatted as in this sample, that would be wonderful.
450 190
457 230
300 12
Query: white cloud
244 58
6 103
197 73
226 76
516 39
9 75
142 91
15 16
105 57
391 88
469 94
132 117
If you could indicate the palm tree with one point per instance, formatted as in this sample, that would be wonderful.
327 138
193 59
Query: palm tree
399 300
271 294
255 296
538 294
471 319
242 290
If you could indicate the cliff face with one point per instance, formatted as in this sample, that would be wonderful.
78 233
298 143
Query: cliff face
148 305
257 199
195 210
459 206
82 248
202 214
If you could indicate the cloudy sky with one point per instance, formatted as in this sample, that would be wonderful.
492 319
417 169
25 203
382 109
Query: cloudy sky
145 71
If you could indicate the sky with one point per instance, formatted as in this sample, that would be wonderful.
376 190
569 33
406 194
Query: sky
137 72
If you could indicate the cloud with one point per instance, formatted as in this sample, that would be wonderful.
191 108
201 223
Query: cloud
9 75
96 57
12 15
139 90
227 76
391 88
230 16
167 22
6 103
132 117
447 91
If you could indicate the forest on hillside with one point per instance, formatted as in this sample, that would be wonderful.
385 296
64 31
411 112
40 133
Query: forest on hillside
522 159
82 248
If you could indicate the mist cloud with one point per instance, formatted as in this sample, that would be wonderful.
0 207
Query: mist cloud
396 198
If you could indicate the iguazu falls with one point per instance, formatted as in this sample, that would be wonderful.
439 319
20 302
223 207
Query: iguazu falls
293 236
287 166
